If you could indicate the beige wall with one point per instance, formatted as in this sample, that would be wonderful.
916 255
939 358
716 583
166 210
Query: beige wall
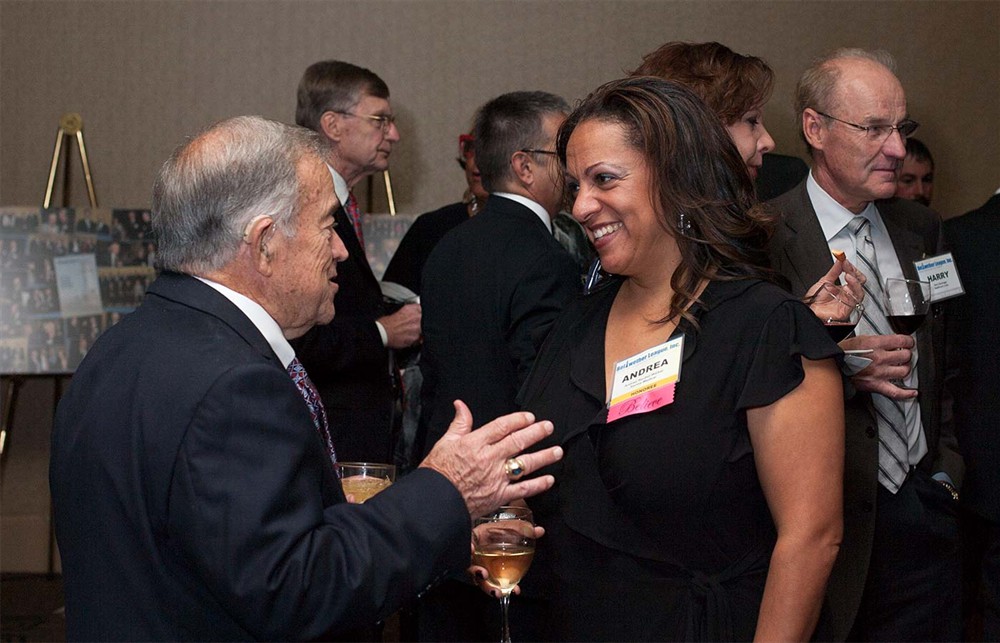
144 74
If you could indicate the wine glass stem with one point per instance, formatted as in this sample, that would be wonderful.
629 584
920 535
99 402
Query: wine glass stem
504 607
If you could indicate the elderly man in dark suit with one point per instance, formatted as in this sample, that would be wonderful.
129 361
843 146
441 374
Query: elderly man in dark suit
974 352
351 357
896 577
491 289
192 467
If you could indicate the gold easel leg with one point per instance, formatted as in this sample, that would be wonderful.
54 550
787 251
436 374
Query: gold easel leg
47 201
388 193
86 170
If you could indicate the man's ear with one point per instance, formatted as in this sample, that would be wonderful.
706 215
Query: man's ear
257 235
330 125
523 167
813 128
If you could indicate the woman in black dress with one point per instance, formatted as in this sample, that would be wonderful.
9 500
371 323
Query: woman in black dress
706 507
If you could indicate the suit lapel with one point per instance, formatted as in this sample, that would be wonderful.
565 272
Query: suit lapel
356 254
908 245
804 249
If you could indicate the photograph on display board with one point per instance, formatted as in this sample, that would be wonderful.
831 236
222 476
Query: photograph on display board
66 276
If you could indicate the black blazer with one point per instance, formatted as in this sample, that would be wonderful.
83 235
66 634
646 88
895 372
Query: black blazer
975 354
799 251
491 289
348 362
194 499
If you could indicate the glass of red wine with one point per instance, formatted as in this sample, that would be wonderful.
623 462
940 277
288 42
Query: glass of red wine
838 309
907 302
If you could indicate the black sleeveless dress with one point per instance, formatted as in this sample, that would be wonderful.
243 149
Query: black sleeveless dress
657 527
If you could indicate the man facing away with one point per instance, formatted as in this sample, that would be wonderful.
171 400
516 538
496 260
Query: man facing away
897 575
491 289
192 470
350 358
495 283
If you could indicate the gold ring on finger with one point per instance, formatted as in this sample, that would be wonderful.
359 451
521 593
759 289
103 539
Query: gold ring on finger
514 468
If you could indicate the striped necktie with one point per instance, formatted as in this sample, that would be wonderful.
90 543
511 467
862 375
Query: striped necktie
893 458
354 213
311 396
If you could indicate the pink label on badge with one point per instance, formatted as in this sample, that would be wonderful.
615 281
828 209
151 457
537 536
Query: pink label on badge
643 403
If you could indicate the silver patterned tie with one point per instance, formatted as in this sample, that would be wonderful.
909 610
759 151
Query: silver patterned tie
893 462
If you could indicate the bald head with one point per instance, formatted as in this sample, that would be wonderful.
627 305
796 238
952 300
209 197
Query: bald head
853 111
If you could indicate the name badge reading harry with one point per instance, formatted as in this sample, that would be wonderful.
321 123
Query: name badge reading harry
646 381
942 274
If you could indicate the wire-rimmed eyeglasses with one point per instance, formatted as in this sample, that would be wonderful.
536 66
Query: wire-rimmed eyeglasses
385 121
878 133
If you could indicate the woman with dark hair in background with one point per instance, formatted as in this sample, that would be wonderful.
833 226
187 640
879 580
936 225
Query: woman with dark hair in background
704 507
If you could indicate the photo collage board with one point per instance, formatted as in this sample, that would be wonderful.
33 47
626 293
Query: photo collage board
66 276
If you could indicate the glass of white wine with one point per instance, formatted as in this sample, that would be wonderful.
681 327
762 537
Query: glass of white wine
504 544
362 480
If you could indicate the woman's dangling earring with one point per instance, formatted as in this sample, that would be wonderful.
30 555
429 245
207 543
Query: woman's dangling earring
683 225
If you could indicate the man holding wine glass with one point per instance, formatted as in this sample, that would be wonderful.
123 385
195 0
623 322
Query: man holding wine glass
897 575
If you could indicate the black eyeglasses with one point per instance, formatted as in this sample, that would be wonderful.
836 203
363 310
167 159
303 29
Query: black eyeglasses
529 150
879 133
384 121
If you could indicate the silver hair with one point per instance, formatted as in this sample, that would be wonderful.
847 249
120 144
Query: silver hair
212 187
817 86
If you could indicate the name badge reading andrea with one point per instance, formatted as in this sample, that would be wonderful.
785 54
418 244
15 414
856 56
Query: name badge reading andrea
646 381
942 274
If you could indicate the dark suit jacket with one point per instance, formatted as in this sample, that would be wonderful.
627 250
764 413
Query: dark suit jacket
408 261
491 289
799 251
779 174
973 350
348 362
194 498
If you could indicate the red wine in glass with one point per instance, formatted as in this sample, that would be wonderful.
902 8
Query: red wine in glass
839 331
906 324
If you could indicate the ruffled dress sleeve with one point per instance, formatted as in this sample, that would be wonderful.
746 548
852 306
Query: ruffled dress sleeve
790 333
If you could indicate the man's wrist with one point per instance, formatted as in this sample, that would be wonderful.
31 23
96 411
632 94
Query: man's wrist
382 333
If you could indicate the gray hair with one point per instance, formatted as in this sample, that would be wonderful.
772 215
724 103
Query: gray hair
817 86
334 86
212 187
509 123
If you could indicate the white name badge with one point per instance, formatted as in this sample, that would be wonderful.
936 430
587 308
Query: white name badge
941 273
646 381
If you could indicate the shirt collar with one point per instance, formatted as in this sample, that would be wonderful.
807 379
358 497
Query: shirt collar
534 206
339 186
832 216
260 319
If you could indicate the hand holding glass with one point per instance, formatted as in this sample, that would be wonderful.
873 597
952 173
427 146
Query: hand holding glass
838 309
504 544
362 480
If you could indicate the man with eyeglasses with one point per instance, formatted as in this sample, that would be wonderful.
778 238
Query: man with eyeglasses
897 575
349 359
491 289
